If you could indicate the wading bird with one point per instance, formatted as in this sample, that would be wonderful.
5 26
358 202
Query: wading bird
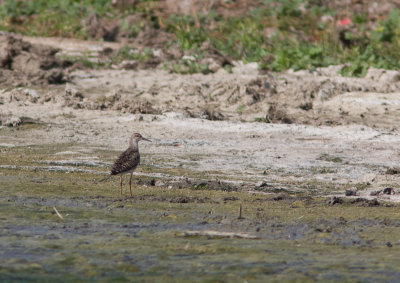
128 160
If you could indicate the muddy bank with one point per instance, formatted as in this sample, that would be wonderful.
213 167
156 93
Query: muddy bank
319 98
26 64
244 95
239 93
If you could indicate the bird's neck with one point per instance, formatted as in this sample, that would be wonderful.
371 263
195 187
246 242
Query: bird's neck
134 144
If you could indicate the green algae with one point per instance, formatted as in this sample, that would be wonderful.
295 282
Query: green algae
106 237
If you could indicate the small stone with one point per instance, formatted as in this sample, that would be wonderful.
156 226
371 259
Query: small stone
351 192
262 184
388 191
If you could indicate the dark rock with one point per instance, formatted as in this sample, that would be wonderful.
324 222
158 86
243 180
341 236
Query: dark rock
350 192
388 191
335 200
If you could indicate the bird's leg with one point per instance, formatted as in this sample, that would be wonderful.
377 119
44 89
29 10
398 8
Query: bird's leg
120 183
130 184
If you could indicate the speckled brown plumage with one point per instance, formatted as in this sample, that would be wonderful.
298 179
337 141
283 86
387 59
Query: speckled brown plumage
128 160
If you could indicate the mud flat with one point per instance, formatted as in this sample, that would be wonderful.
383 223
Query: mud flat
319 194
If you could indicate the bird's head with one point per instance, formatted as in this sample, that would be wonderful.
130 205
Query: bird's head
138 137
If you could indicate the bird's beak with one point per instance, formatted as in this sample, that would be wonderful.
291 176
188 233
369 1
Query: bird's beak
143 139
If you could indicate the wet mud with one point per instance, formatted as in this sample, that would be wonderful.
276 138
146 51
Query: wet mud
152 235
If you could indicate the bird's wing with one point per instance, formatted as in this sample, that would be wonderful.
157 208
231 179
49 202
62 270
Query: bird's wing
127 161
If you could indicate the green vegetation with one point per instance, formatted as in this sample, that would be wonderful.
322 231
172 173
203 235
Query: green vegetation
262 120
297 34
51 18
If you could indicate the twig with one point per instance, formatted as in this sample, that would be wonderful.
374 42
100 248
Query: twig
240 212
58 214
217 234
